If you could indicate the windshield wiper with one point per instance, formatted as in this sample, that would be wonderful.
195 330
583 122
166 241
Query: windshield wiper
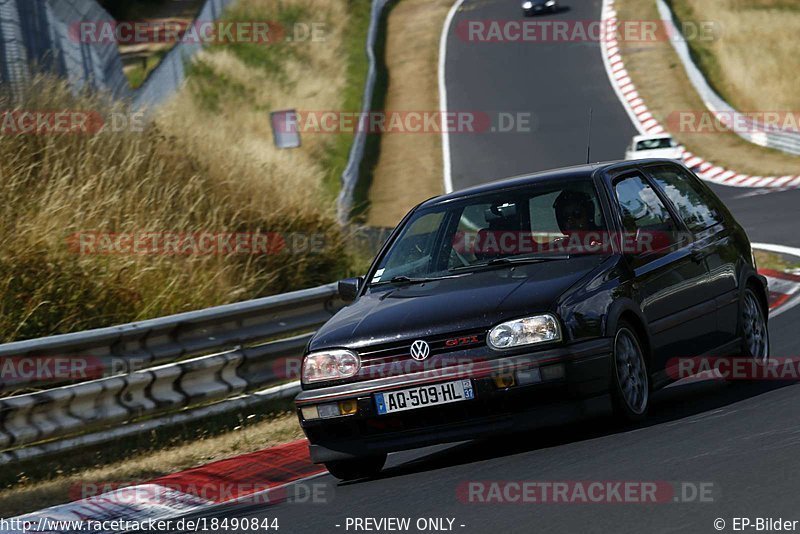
405 280
501 262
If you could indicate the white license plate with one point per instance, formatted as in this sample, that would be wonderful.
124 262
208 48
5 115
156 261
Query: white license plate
409 399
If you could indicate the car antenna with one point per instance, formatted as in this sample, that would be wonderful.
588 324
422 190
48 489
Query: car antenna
589 139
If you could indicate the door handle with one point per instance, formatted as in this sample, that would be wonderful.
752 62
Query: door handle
697 255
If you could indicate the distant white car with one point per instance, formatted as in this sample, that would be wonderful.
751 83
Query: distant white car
654 146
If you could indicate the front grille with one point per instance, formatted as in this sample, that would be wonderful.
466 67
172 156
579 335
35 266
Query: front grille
401 351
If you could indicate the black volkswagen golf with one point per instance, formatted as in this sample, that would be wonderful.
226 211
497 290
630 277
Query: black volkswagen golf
526 302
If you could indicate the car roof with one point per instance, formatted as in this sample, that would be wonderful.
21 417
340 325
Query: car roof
651 136
554 175
578 171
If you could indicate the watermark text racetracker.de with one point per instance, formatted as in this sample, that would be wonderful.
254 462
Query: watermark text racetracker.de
734 368
409 122
583 31
19 370
204 32
588 492
121 495
740 122
194 243
68 122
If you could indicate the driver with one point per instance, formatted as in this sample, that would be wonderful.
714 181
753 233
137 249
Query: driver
575 214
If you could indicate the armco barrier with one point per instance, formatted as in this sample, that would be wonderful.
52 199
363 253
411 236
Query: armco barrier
134 346
232 406
350 175
170 73
150 396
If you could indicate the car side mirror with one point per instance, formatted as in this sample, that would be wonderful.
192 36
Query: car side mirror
349 288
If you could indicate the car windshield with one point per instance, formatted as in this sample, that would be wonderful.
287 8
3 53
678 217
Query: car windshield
654 144
541 222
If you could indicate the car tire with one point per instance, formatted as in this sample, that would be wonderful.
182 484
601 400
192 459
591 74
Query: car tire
753 328
365 467
630 381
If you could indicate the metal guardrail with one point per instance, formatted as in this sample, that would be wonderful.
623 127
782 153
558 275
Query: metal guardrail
167 77
351 173
134 346
63 418
752 130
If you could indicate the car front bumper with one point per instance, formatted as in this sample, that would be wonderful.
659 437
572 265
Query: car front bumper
581 390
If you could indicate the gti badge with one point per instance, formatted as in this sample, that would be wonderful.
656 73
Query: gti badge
420 350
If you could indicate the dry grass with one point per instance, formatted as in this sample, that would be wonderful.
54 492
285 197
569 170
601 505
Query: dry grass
206 164
754 63
136 182
147 465
662 82
409 168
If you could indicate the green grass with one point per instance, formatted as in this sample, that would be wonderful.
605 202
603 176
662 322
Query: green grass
211 88
138 73
776 262
337 155
267 58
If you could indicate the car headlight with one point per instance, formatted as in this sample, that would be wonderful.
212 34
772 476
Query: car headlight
330 365
550 3
527 5
527 331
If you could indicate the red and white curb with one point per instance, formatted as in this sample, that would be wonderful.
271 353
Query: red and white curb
260 476
644 121
782 287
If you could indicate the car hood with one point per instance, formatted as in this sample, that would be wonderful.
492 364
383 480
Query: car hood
391 314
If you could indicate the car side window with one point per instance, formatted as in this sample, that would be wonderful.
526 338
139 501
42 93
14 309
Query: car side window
694 204
644 213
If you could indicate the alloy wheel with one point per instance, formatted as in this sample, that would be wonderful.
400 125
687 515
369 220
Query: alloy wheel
631 371
755 329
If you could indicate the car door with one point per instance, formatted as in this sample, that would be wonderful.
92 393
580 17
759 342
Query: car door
712 241
670 281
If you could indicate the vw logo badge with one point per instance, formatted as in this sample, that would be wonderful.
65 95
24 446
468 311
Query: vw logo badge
420 350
